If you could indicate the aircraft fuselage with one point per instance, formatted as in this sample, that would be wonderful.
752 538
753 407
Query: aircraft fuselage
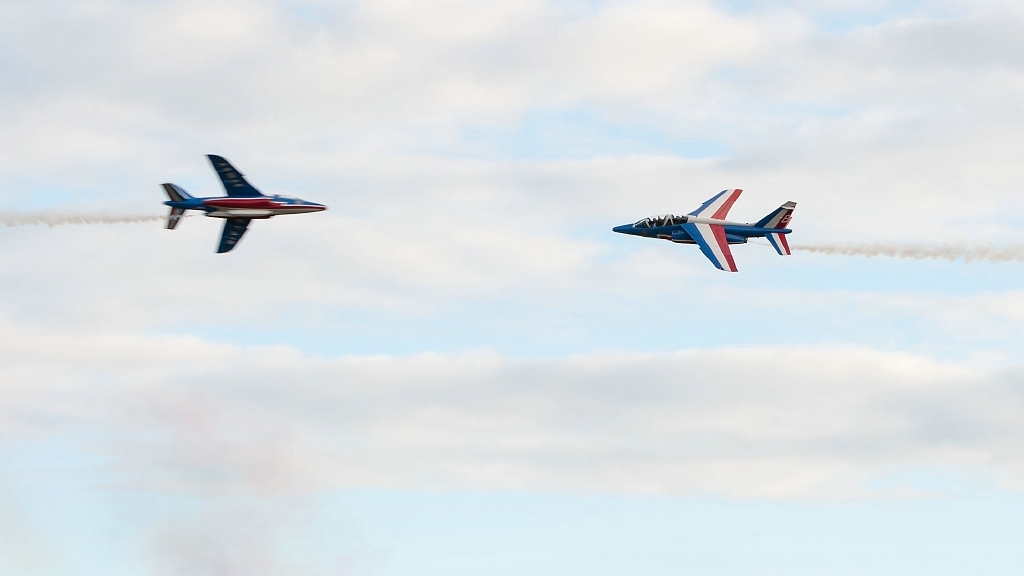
260 207
735 232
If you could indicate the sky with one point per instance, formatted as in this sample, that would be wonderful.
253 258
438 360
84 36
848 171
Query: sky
458 368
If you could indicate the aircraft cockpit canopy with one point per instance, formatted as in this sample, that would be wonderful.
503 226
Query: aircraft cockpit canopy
659 221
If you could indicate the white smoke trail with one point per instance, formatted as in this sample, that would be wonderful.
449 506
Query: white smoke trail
1012 253
52 219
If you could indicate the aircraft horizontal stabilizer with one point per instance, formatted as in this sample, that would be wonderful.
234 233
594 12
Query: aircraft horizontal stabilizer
780 243
174 217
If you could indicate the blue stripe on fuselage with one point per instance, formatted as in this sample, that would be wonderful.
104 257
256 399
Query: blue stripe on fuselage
190 204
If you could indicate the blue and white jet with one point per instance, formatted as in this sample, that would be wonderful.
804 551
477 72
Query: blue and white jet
242 204
707 227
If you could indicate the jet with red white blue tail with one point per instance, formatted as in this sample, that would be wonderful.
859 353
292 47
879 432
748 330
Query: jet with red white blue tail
708 228
242 204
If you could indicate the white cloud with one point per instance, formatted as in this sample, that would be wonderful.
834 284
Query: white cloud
183 414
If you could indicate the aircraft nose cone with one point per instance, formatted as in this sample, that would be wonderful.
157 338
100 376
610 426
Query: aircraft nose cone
624 229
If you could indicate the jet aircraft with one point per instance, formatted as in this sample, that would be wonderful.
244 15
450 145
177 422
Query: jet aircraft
242 204
707 228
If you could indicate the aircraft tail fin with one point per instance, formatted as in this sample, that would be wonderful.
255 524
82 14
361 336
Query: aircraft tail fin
779 218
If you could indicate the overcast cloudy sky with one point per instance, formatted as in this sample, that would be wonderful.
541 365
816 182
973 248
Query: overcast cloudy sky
458 368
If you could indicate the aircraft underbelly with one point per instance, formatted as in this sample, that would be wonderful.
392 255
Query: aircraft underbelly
684 238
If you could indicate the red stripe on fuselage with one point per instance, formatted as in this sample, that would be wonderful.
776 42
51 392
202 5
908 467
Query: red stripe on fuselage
249 203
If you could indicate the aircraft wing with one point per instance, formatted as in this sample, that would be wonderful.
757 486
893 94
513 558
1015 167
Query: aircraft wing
719 204
234 183
712 242
233 230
